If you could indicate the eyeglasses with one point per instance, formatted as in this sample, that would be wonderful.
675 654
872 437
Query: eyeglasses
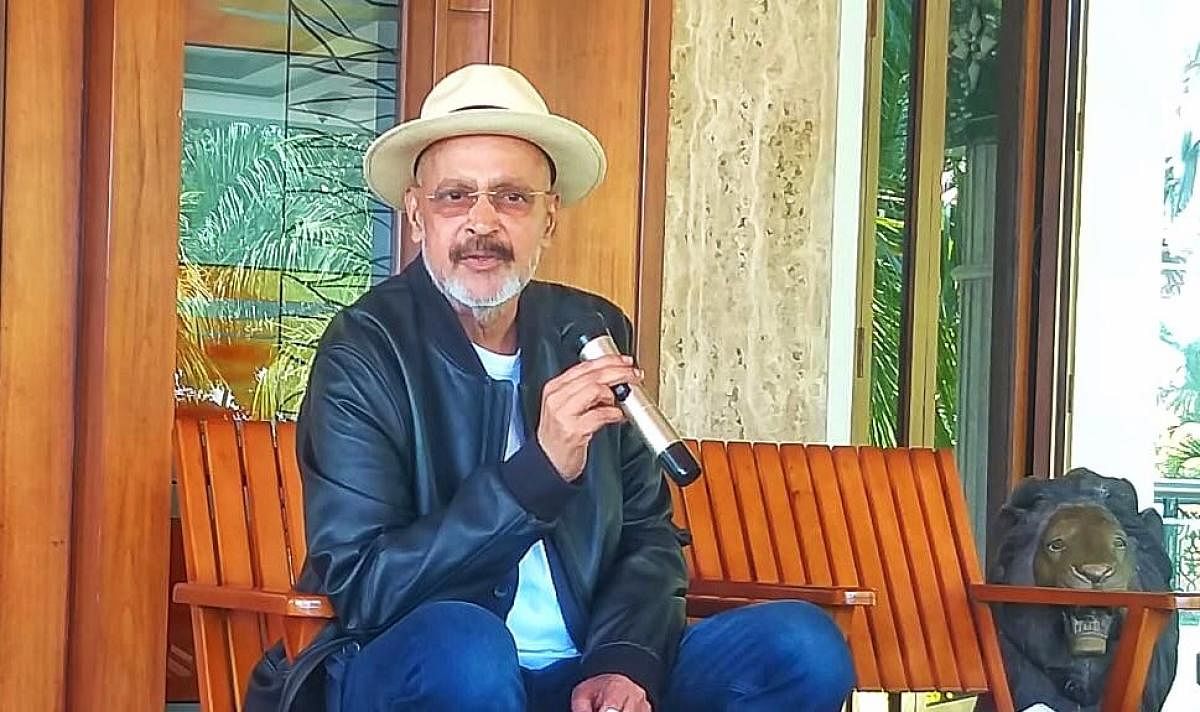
453 202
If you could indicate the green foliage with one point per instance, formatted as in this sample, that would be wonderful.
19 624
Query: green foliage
1179 180
1180 454
275 234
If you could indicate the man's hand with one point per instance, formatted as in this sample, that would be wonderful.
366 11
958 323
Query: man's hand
609 693
576 404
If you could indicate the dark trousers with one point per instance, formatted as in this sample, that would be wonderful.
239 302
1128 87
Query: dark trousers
457 656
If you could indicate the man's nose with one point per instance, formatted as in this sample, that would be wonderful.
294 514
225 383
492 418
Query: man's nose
482 217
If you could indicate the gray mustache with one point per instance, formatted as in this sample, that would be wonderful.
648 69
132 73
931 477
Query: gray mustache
482 246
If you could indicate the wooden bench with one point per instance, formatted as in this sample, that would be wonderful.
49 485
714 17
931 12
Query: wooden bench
878 537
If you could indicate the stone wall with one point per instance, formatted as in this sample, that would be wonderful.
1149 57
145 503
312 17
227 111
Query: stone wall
749 218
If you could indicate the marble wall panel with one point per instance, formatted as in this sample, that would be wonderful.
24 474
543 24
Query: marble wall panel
749 218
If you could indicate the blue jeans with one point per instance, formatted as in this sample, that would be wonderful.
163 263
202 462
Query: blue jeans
455 656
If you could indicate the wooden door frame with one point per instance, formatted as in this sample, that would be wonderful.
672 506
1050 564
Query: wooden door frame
1041 51
129 240
656 113
39 267
87 313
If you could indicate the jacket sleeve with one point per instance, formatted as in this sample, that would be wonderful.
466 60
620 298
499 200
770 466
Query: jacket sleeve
637 615
368 549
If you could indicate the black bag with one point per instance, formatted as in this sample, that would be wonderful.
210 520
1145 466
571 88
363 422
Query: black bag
280 685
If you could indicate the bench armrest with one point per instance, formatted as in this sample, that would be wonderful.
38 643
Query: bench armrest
252 600
706 598
1166 601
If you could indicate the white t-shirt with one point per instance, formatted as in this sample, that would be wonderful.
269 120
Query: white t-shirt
535 621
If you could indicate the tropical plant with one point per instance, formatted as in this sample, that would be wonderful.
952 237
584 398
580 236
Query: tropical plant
1180 453
890 230
1179 180
275 234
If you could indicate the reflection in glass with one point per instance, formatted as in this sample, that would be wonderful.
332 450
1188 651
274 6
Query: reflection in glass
968 242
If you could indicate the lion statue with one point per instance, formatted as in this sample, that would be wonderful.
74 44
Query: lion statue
1082 530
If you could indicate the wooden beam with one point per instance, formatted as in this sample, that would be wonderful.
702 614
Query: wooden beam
129 239
43 83
860 411
439 36
652 208
1054 300
931 20
417 44
1017 182
501 31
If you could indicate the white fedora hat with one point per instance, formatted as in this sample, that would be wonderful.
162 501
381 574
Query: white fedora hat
492 100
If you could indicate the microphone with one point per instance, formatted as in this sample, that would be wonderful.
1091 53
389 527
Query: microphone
590 339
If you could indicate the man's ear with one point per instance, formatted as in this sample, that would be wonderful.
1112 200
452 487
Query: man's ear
551 218
416 229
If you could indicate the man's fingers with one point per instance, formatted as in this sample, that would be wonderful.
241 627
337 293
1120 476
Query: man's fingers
583 369
597 418
614 698
607 377
581 701
584 399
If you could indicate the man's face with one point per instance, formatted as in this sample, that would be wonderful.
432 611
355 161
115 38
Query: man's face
481 250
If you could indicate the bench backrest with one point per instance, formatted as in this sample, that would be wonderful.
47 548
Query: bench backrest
243 525
894 520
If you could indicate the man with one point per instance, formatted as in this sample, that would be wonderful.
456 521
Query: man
491 533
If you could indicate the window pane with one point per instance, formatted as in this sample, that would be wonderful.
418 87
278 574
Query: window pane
1136 331
890 228
277 231
968 242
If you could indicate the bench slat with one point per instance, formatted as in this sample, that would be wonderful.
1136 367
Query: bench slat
779 513
953 586
753 513
807 518
984 623
870 567
226 479
293 496
901 594
264 494
835 527
213 670
703 528
723 499
925 574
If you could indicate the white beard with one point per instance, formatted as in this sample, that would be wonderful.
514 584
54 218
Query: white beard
484 309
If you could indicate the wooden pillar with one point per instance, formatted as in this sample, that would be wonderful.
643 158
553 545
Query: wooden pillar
38 276
1017 181
126 359
87 287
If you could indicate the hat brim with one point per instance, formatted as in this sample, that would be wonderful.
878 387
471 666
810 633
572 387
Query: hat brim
579 160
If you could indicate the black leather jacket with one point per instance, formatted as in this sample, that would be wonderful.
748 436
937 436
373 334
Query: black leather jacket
400 442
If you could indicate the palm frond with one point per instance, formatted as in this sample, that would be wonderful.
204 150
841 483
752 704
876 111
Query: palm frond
276 234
